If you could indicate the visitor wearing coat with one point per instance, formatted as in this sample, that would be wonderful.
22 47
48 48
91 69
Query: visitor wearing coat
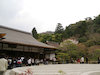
3 65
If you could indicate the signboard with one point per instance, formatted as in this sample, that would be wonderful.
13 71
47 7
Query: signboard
2 35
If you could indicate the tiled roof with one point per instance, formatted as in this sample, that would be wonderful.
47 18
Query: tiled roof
21 37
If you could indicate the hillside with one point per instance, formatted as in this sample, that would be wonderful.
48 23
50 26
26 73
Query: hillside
86 31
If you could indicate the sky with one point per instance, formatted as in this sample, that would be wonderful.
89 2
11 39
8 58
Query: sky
45 14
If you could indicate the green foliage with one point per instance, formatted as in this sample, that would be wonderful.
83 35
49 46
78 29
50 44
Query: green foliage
94 39
34 33
62 56
97 20
68 45
82 30
50 37
87 32
82 39
57 37
74 54
95 55
98 30
45 37
59 29
61 72
90 43
68 32
68 50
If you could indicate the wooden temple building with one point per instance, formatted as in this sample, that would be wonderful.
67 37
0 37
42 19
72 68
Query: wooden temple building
15 43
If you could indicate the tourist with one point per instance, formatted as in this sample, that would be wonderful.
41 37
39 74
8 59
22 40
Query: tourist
14 62
86 60
72 61
45 61
78 61
98 60
41 61
33 61
67 61
25 63
54 60
3 64
10 63
29 62
37 61
82 60
19 62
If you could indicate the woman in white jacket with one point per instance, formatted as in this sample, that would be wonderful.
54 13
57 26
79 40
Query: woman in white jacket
3 64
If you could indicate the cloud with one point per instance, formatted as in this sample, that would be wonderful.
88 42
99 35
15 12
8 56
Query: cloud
9 9
45 14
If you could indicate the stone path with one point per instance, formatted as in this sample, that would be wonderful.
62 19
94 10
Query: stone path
66 69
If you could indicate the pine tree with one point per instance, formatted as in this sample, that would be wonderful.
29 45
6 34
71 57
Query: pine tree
34 33
59 28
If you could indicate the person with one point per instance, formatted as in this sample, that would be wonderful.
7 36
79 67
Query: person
98 60
3 64
25 63
86 60
41 61
54 60
19 62
29 62
72 60
78 61
45 61
82 60
37 61
9 63
14 61
33 61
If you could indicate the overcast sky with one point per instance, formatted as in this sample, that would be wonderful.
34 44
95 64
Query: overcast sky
45 14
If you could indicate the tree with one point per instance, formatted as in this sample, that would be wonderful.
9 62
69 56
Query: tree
68 32
59 29
45 37
68 45
57 37
34 33
62 57
97 20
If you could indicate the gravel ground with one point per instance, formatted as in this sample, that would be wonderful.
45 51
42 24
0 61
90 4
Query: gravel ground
67 69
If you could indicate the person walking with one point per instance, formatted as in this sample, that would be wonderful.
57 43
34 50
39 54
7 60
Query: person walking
82 60
3 64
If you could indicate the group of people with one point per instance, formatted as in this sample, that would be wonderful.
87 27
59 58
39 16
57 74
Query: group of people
82 60
22 61
12 62
79 60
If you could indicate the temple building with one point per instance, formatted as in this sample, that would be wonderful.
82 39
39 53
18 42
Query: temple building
17 43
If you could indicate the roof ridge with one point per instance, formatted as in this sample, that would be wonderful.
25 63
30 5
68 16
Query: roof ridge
15 29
